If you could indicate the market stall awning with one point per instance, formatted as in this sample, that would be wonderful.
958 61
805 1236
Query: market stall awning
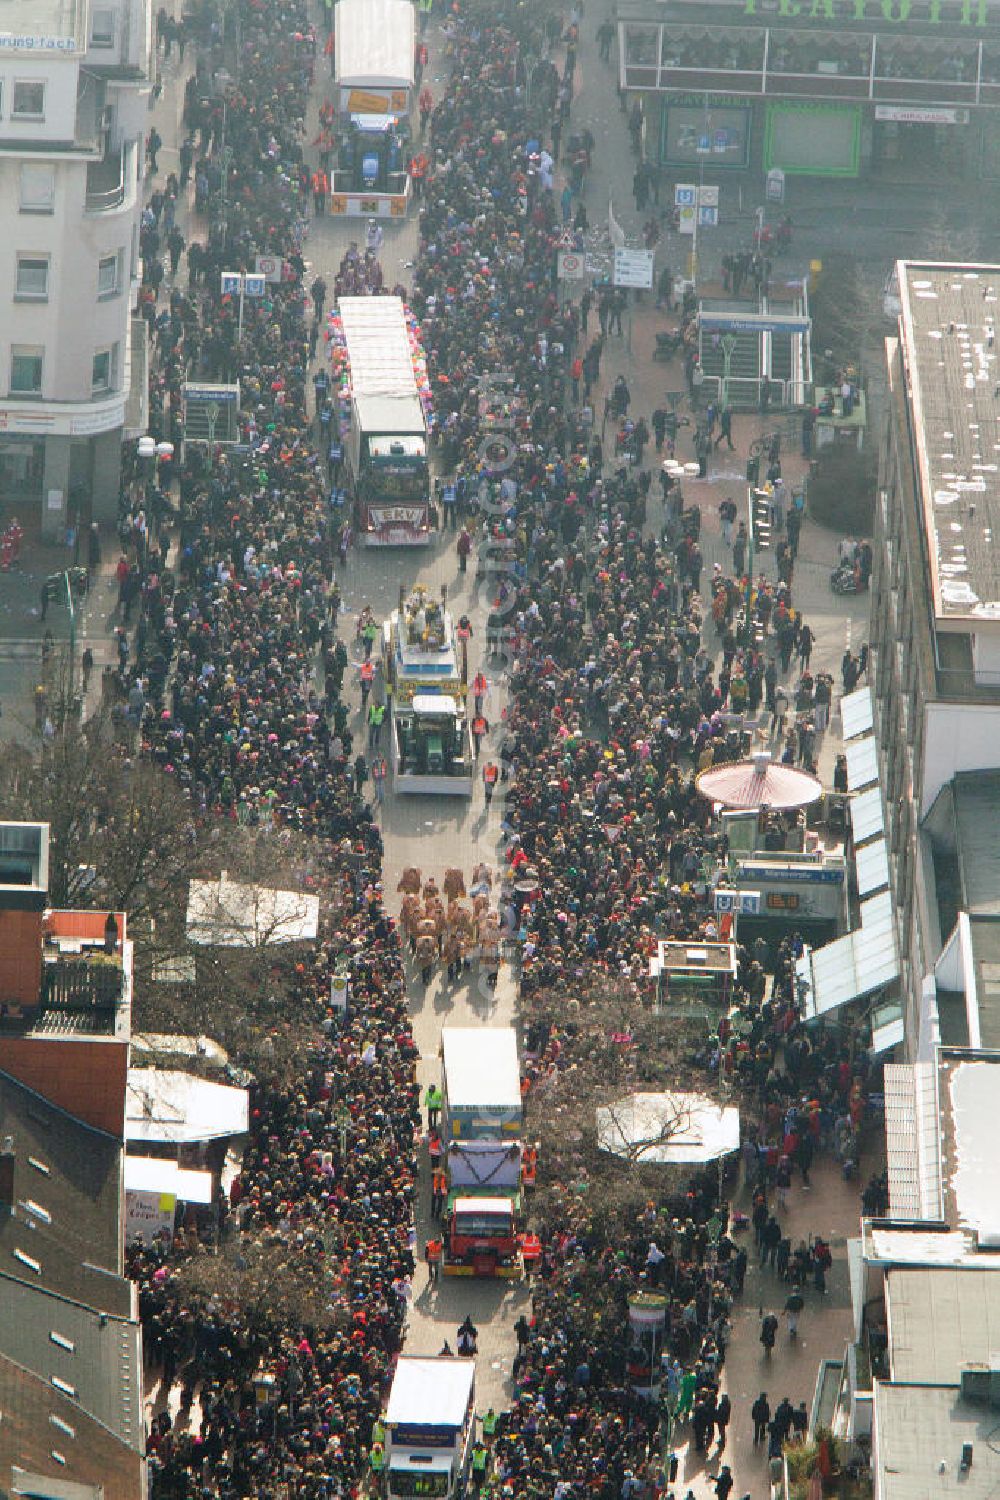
761 782
668 1129
852 966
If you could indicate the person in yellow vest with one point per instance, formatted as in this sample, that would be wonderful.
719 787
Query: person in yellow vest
377 1460
490 1425
480 1458
378 1433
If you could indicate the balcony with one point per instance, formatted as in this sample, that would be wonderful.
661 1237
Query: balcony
109 180
92 985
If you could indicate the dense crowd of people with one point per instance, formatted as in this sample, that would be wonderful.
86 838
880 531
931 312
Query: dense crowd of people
603 622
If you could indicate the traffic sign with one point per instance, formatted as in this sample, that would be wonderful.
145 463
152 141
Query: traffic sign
708 216
740 903
686 219
569 265
255 285
633 267
685 195
269 266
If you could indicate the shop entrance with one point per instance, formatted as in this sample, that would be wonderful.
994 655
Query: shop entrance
22 467
911 151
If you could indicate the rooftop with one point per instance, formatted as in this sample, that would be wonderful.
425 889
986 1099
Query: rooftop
64 1232
948 325
921 1431
73 1452
95 1357
941 1318
47 21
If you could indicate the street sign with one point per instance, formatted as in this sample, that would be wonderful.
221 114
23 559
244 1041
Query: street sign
708 216
685 195
569 265
774 189
255 285
231 283
270 267
739 903
708 196
633 267
686 219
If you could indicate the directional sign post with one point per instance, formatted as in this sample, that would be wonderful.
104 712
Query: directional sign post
633 268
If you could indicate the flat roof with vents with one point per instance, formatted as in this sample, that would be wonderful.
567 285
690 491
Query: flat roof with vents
950 352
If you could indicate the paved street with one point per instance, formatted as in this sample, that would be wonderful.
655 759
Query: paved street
436 833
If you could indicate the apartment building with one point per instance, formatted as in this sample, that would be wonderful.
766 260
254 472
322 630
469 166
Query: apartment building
75 79
70 1341
935 634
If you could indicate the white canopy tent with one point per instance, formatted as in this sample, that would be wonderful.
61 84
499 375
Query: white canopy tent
374 44
228 913
668 1129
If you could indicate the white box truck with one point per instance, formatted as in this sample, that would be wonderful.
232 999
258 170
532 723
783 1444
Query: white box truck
385 420
430 1426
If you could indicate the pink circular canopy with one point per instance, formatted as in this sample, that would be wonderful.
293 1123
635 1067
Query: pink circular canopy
760 782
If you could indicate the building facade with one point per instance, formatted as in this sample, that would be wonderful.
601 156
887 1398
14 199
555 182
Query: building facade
75 79
935 620
834 88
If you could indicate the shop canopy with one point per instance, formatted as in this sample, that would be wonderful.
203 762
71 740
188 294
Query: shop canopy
852 966
761 782
668 1129
173 1108
374 43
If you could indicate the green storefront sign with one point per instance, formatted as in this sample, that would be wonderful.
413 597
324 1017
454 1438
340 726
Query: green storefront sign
944 13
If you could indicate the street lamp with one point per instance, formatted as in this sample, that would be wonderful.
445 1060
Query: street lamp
758 540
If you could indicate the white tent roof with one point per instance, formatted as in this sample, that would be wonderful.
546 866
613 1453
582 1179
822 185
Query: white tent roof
480 1067
668 1129
430 1392
176 1108
374 44
226 913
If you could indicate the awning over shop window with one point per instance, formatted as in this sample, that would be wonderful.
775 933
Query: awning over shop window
871 864
856 713
867 817
852 966
862 763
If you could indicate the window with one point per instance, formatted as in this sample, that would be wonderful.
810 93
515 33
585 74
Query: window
105 370
32 278
107 275
25 371
29 99
102 28
38 189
